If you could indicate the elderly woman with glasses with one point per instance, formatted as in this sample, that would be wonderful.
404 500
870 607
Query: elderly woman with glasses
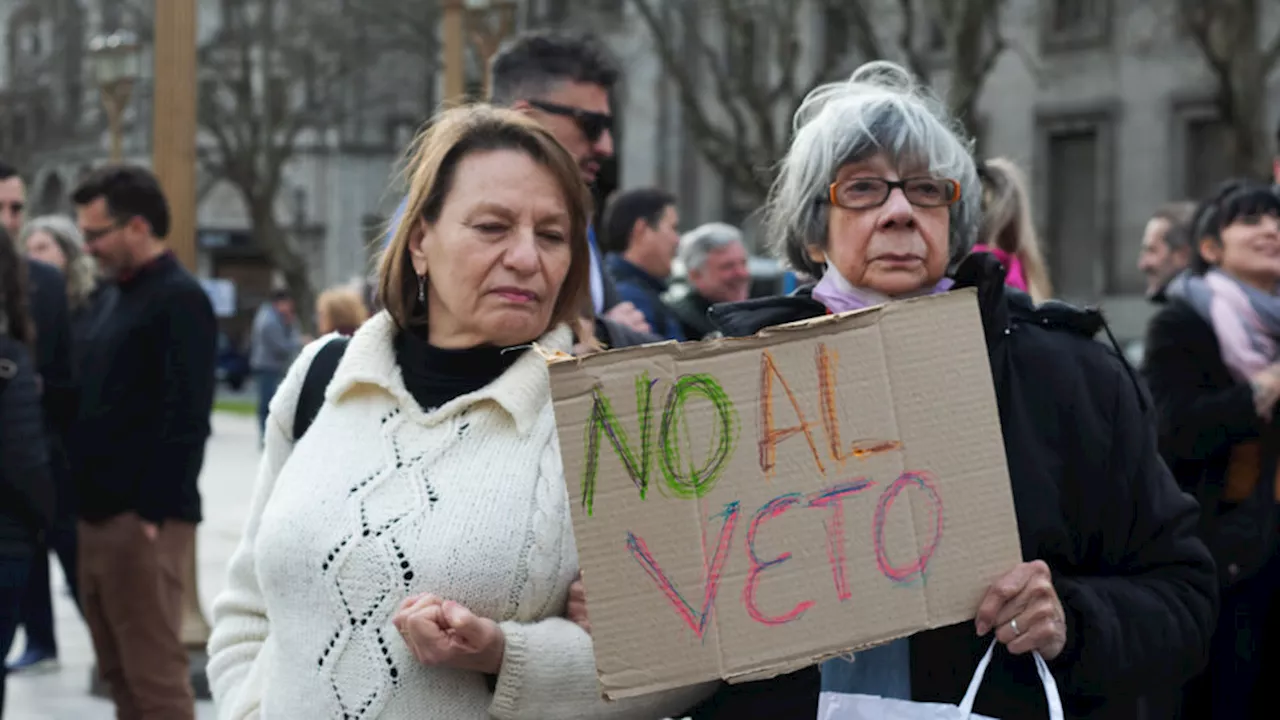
878 197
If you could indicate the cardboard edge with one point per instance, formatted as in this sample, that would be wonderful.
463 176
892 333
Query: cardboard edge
559 362
781 668
800 663
641 690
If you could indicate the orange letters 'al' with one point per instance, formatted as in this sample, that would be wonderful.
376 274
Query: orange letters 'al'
827 397
769 435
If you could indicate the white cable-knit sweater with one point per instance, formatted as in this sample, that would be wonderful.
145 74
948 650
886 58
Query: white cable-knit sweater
379 501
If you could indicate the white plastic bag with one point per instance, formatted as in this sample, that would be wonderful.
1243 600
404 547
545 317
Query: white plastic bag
844 706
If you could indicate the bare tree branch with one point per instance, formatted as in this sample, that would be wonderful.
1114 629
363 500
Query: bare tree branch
267 79
403 25
1271 56
738 114
907 39
718 146
1226 33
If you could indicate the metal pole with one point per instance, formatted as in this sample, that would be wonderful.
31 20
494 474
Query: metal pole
453 29
114 130
115 100
173 143
173 160
488 40
173 150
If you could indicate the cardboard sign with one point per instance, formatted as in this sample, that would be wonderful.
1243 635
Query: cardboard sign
746 507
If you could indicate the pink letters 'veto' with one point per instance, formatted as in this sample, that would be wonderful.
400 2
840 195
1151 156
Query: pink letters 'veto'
772 509
695 619
833 497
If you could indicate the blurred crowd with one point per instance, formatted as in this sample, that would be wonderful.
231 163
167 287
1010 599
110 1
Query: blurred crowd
409 552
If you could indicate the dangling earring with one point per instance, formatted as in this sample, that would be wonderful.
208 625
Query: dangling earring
422 289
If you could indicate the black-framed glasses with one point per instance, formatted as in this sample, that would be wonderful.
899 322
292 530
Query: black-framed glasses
91 236
593 124
868 192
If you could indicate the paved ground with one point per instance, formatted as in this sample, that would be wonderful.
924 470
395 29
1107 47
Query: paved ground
226 484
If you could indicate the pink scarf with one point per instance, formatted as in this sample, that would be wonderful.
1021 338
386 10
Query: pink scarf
1017 276
1245 320
839 295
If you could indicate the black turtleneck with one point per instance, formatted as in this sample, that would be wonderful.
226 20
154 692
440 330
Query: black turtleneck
434 376
145 396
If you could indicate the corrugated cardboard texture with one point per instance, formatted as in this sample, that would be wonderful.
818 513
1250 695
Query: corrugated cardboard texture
755 455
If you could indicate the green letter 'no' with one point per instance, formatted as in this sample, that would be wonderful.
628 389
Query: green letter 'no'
683 478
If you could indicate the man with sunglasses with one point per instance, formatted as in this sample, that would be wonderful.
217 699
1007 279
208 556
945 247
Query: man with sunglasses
564 80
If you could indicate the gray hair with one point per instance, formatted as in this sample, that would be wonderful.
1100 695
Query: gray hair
881 108
703 240
82 270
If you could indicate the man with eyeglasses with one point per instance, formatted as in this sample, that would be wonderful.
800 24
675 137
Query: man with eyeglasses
140 440
564 80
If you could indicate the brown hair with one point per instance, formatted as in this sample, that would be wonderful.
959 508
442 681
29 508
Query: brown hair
1007 223
1178 215
340 309
15 313
435 157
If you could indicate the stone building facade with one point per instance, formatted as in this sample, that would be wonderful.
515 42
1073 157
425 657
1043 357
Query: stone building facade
334 193
1103 102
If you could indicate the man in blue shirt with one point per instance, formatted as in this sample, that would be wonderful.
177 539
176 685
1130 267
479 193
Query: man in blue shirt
564 80
642 225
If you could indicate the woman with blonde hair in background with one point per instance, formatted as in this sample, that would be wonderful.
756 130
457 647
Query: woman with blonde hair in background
340 310
1008 231
56 240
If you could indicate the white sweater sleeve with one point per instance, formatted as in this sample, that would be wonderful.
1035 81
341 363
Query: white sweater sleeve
549 666
549 670
240 622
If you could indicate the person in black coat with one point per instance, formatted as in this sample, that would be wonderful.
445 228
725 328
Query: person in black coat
878 196
1214 371
26 492
55 240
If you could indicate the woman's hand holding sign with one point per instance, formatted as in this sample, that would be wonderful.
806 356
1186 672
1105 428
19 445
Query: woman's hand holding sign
442 632
577 608
1025 610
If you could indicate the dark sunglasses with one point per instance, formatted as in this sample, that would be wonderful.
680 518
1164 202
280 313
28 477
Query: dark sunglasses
593 124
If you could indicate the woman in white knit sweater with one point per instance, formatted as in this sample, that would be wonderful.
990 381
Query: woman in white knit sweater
410 556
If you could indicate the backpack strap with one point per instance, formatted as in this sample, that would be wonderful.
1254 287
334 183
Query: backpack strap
311 397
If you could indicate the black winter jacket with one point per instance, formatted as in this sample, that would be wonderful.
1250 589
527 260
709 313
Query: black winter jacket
26 490
1203 410
1204 414
1093 500
54 357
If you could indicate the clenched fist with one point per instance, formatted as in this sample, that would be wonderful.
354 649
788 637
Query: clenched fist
442 632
